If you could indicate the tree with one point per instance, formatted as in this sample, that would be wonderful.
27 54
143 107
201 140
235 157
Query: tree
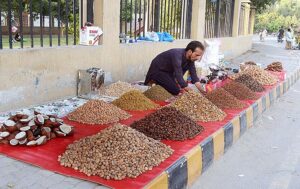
282 13
262 4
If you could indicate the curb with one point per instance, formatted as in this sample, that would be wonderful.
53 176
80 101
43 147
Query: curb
189 167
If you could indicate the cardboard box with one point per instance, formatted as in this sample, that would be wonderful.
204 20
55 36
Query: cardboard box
90 35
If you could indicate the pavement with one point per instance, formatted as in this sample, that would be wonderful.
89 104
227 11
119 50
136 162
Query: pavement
266 156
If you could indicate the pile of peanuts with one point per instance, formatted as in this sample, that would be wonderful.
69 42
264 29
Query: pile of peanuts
98 112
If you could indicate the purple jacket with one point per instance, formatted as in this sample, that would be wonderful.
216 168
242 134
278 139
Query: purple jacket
175 63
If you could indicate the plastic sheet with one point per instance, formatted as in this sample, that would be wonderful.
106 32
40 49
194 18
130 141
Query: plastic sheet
46 156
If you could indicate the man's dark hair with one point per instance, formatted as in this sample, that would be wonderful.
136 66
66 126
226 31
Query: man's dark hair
193 45
289 29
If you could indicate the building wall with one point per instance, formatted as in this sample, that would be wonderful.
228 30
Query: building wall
35 76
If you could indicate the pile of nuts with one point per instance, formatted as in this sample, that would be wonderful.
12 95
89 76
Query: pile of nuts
250 63
32 130
224 99
98 112
134 100
240 91
251 83
168 123
198 108
116 89
116 152
158 93
260 75
244 65
275 67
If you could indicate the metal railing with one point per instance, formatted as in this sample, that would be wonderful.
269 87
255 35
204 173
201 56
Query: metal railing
219 18
140 16
39 23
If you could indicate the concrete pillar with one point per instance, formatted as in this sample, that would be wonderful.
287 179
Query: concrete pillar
84 12
252 21
236 17
198 20
247 18
107 16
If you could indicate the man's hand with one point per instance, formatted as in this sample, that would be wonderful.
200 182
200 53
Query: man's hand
199 87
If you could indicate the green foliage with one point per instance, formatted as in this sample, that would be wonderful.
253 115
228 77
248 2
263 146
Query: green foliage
262 4
283 13
36 10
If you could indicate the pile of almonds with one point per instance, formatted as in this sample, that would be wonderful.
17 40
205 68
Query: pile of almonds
98 112
116 152
275 67
134 100
251 83
240 91
158 93
168 123
198 108
260 75
32 130
116 89
224 99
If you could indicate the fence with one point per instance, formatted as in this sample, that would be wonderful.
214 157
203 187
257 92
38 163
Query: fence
219 18
140 16
23 23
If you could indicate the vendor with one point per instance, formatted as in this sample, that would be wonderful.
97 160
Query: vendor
167 69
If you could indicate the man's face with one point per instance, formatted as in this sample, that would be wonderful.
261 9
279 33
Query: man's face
196 55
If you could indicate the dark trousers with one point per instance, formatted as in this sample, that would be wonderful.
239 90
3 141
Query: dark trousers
166 80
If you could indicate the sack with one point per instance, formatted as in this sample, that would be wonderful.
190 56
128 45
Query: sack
151 36
164 36
210 56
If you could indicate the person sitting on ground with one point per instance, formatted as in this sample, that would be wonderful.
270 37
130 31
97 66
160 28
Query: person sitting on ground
168 68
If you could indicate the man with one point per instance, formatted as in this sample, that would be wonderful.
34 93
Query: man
280 34
289 39
167 69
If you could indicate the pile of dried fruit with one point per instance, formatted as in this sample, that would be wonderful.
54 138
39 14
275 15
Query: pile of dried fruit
224 99
240 91
116 89
134 100
251 83
98 112
157 93
260 75
116 152
198 108
250 63
275 67
32 130
244 65
168 123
